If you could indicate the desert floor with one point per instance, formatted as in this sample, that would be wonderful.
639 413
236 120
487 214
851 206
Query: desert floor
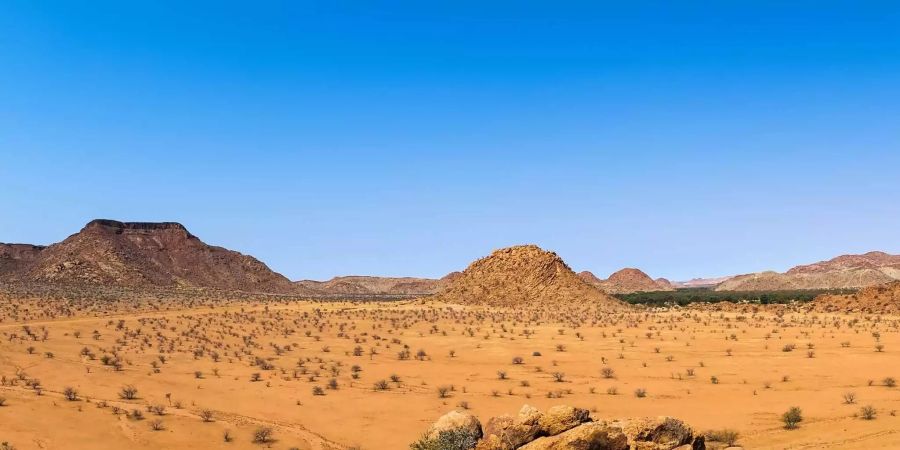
206 357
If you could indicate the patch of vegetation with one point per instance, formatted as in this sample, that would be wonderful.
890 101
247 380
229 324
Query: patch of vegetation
457 439
687 296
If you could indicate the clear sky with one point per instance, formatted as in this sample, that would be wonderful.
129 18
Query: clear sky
409 138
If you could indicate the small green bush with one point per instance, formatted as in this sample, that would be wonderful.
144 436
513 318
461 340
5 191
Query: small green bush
458 439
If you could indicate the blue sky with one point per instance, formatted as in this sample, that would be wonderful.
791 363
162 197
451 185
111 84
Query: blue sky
409 138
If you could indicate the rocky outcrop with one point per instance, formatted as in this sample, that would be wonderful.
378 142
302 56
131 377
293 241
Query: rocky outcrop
15 256
562 418
590 436
883 299
560 428
456 430
456 420
660 433
508 433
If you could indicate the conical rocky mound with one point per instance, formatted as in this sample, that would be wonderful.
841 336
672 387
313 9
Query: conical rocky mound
522 275
631 280
143 254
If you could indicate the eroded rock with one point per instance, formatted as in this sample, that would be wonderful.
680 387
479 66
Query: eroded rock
588 436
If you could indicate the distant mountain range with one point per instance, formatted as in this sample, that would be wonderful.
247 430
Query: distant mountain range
165 254
842 272
368 285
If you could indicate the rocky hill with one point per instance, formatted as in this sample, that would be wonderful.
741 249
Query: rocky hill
626 281
882 299
522 275
665 283
367 285
144 254
843 272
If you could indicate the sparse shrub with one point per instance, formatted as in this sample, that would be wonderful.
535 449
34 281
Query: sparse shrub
128 392
262 435
792 417
867 413
640 392
70 394
849 398
443 391
726 436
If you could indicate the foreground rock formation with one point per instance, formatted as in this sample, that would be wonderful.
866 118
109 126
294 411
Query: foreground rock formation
143 254
522 275
559 428
843 272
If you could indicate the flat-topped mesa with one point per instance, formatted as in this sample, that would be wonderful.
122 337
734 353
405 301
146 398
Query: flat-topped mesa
144 254
119 227
522 275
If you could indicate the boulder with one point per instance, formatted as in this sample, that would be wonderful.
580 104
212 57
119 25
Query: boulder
660 433
508 433
562 418
589 436
455 420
